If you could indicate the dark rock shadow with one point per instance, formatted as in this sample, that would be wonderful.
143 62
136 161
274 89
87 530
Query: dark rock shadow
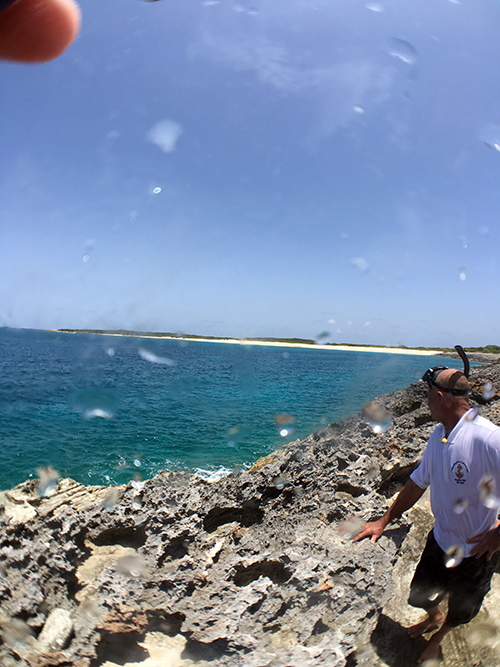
397 535
275 570
120 648
197 651
392 644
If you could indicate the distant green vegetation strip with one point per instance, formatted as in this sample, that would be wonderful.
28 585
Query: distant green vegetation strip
486 349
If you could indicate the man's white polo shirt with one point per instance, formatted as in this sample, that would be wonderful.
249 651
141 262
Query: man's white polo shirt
454 468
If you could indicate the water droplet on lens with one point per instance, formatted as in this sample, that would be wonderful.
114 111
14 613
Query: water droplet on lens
471 414
453 556
483 634
47 481
285 424
358 109
376 416
233 433
366 656
85 258
137 484
153 358
487 487
322 337
165 134
132 566
281 481
360 264
94 402
490 136
156 191
15 632
110 352
488 391
122 464
403 50
111 499
462 272
245 7
89 607
350 528
236 434
460 505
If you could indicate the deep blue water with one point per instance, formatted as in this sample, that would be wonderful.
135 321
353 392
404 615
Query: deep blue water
208 406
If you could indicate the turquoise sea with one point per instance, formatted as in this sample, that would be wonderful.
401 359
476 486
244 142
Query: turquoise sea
103 409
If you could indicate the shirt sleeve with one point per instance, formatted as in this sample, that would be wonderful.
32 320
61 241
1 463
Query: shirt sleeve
421 475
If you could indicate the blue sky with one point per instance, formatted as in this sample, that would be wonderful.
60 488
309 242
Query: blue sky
259 168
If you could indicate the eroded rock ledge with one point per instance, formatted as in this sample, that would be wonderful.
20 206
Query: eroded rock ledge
248 571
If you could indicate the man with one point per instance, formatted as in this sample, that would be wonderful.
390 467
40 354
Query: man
461 464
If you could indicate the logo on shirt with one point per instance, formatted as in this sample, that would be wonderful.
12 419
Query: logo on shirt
460 472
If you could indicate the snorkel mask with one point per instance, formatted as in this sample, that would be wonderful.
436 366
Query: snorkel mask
431 374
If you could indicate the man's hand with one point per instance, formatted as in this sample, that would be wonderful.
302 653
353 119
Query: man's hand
406 498
35 31
488 543
373 529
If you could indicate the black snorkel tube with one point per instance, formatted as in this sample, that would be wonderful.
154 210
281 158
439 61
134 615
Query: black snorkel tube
461 353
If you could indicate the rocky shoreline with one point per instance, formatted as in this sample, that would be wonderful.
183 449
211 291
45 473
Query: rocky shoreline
249 571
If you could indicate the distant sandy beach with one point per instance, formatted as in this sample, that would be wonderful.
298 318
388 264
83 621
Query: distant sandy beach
243 341
346 348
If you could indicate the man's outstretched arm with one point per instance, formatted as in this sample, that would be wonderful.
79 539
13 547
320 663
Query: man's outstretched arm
406 498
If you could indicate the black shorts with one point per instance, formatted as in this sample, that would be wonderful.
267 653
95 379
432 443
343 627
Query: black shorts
466 584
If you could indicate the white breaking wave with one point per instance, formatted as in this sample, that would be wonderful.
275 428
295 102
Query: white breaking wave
213 475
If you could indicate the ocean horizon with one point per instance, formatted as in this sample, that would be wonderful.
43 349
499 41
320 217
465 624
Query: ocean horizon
107 409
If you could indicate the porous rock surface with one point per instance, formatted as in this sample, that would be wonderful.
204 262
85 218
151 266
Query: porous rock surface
249 571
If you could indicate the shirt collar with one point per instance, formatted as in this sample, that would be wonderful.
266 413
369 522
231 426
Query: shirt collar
465 419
